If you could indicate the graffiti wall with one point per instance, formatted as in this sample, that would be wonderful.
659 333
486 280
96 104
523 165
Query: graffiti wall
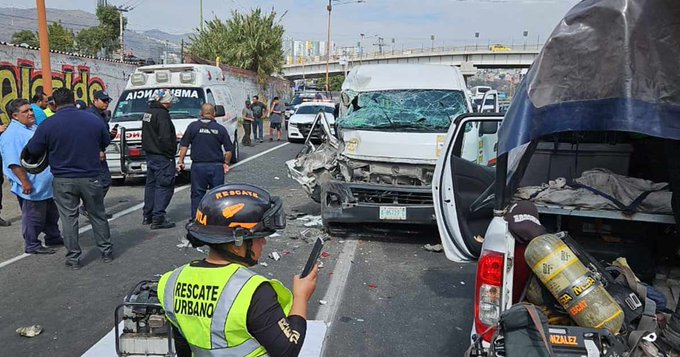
21 75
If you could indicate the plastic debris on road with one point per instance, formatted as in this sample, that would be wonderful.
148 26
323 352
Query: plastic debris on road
325 254
433 248
275 256
323 302
264 264
372 286
276 178
30 331
183 243
273 235
311 221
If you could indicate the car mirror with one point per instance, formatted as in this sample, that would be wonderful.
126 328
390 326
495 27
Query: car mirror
219 111
488 127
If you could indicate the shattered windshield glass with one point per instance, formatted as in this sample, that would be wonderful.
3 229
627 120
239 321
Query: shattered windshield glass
423 110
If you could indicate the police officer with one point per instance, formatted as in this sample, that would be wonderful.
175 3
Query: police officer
209 163
159 141
220 307
99 105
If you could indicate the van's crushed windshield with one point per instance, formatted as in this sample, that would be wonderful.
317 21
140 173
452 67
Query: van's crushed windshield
133 104
404 110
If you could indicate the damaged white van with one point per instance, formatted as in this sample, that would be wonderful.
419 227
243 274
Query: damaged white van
591 143
392 122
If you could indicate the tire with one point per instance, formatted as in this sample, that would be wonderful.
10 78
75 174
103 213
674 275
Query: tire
237 150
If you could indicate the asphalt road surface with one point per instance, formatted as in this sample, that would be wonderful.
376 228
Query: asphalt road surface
382 296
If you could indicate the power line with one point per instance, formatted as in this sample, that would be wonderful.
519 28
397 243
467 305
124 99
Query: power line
51 21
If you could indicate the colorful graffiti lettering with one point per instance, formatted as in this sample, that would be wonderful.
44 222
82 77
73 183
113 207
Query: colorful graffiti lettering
23 80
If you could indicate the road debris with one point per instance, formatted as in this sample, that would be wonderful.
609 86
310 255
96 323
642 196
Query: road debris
325 254
372 286
30 331
275 256
276 178
273 235
323 302
360 320
433 248
183 243
311 221
264 264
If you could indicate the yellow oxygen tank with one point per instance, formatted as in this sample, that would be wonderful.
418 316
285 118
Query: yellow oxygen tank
572 284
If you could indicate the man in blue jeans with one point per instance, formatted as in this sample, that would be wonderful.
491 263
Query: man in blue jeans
75 141
259 110
159 141
39 213
209 163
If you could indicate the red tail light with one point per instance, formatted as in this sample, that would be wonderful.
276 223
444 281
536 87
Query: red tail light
134 152
488 288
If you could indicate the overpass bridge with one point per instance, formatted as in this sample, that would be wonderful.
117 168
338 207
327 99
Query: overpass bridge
469 58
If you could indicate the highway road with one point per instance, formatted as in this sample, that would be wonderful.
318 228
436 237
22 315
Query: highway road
383 295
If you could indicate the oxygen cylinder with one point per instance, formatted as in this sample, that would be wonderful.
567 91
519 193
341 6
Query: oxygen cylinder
572 284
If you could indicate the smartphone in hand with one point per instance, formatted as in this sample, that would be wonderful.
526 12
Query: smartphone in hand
313 257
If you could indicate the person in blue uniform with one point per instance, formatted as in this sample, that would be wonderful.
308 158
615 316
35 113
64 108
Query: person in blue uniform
211 152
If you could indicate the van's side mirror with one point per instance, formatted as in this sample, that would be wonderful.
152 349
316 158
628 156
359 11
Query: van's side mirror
219 111
488 127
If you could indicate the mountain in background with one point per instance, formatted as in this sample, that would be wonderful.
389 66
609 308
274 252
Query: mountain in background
147 44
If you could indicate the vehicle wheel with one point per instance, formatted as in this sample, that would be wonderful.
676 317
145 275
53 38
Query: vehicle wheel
237 150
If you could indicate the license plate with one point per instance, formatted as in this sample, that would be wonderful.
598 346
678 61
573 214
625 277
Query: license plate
143 167
393 213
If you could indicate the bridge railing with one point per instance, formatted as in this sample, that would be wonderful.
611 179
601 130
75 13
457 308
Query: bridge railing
392 52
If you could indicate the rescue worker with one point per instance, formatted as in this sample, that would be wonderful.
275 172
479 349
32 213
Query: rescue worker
218 306
100 103
159 141
209 163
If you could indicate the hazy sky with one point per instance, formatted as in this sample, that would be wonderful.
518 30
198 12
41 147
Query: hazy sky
409 22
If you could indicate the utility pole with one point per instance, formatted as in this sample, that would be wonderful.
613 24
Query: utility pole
181 52
44 47
328 43
121 10
380 44
200 5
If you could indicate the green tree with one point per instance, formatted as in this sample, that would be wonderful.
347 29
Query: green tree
25 36
250 41
105 36
88 40
61 38
335 82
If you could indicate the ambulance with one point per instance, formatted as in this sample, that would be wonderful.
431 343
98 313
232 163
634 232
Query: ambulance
193 85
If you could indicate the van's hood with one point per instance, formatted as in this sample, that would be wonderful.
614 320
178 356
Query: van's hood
134 128
309 118
390 146
629 81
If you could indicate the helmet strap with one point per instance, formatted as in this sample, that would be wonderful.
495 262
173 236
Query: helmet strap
226 254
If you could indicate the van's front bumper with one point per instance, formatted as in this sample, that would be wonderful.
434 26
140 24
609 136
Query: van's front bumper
347 202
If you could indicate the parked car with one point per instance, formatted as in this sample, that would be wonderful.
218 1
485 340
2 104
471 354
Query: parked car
300 123
594 158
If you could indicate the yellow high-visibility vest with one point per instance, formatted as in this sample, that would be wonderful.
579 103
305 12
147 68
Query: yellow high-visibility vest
209 306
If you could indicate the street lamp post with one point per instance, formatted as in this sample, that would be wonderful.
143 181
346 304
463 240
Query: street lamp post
525 33
329 7
328 43
432 39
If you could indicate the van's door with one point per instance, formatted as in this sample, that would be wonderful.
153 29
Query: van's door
463 184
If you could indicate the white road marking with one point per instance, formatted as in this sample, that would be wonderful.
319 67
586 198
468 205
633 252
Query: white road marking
140 205
336 288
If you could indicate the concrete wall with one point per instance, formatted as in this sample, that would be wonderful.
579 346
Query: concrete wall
21 76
